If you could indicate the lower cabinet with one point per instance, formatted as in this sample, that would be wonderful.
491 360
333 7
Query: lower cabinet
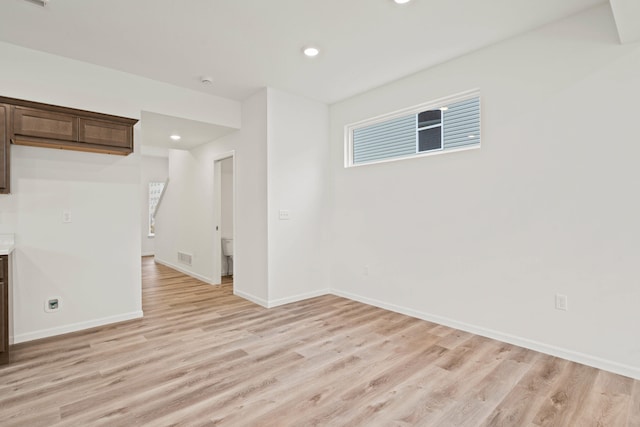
4 309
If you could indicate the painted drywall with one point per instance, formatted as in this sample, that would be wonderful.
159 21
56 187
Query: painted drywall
152 169
484 239
93 263
281 154
226 219
250 236
627 13
297 175
186 219
79 85
180 219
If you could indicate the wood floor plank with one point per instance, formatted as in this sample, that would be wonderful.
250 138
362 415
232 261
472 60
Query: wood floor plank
634 406
440 398
526 398
608 403
202 356
567 397
331 363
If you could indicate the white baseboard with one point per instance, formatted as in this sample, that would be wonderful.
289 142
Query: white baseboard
574 356
74 327
282 301
586 359
296 298
148 254
183 270
264 303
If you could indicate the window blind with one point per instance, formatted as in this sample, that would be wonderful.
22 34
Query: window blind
393 138
461 124
456 121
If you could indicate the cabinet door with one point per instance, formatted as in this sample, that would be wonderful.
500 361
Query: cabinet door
4 309
4 148
106 133
44 124
4 319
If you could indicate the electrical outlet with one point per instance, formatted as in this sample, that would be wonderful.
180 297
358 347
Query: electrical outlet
66 217
52 304
561 302
365 270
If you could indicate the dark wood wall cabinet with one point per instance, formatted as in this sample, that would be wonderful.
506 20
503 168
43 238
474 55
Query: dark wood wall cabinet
4 309
43 125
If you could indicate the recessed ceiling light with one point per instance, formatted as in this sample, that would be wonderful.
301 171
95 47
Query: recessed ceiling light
175 137
401 1
311 51
444 108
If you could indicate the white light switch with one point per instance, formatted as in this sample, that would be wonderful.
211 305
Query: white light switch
285 214
562 302
66 217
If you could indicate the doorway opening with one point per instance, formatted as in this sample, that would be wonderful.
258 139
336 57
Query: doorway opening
224 214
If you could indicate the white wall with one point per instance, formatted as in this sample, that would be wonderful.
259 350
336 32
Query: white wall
226 219
153 169
297 174
250 240
281 155
185 220
81 85
93 264
484 239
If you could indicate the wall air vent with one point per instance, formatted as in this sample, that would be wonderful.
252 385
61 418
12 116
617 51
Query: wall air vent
184 258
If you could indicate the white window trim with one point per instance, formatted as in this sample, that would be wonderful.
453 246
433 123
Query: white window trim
430 105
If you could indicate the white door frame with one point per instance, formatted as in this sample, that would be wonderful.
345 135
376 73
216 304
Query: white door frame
217 214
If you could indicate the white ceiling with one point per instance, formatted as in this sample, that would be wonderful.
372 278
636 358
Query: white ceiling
245 45
248 44
156 130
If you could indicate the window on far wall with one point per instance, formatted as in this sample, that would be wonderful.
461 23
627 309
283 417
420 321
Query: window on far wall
155 191
445 125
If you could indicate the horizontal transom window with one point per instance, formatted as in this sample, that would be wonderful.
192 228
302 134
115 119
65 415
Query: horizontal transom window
444 125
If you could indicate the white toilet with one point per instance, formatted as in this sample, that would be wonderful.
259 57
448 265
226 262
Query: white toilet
227 251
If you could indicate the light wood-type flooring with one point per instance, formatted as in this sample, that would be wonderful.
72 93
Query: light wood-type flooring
202 357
